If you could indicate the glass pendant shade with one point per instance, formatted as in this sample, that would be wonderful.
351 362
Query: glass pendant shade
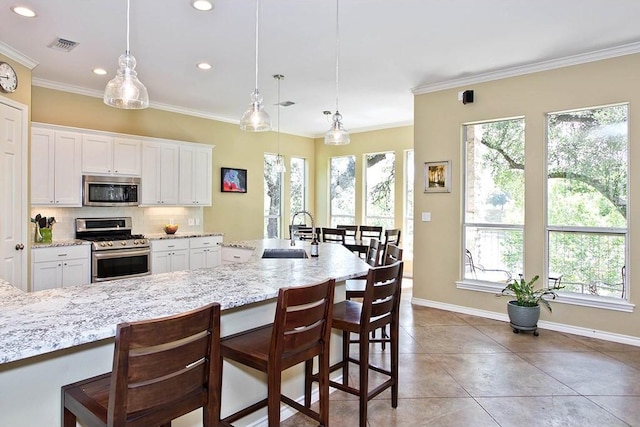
337 135
125 90
280 167
255 119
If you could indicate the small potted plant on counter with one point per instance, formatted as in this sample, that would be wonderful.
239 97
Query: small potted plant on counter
524 311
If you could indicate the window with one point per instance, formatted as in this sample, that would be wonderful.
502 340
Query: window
494 200
380 184
587 172
342 192
407 232
272 198
298 177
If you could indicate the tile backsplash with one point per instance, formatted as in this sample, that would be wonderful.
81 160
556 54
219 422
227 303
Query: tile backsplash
145 220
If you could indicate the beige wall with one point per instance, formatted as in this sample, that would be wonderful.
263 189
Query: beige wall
438 121
239 216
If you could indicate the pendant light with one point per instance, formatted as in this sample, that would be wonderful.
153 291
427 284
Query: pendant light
337 134
125 90
255 119
280 167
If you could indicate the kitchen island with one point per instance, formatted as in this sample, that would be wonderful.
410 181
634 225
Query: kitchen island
59 336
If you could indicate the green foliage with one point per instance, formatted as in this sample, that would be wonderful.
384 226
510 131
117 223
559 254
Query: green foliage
526 295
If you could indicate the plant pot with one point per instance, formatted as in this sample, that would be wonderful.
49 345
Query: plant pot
523 318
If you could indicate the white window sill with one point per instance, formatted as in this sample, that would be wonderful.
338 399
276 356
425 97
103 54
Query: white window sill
606 303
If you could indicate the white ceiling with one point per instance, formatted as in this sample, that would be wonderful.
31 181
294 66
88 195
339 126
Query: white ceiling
387 49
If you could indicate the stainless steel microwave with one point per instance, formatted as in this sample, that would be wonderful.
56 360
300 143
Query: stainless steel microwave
110 191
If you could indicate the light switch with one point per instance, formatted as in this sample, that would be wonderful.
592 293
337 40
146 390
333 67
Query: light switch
426 216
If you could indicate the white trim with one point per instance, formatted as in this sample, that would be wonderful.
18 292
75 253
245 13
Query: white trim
543 324
598 55
20 58
606 303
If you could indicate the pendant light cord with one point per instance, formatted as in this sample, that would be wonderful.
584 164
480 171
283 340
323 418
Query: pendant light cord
279 78
337 50
257 15
128 10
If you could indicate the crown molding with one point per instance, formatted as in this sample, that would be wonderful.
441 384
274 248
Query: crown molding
598 55
19 57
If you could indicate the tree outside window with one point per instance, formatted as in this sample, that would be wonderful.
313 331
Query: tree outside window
297 176
587 175
272 198
342 192
380 189
494 200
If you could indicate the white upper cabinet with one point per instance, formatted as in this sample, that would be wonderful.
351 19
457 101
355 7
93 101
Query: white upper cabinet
56 177
107 155
160 167
195 175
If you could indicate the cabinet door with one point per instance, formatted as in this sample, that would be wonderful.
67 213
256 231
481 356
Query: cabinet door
195 176
76 272
46 275
197 258
97 154
150 174
213 257
169 169
126 157
42 166
186 182
180 260
160 262
68 175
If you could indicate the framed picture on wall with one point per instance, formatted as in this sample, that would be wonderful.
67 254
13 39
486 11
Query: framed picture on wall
437 177
233 180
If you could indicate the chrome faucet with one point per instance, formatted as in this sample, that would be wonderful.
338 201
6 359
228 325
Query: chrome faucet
313 225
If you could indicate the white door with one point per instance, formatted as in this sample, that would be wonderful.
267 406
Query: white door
13 201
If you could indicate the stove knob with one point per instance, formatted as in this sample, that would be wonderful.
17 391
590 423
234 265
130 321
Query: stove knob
102 244
123 243
135 242
110 243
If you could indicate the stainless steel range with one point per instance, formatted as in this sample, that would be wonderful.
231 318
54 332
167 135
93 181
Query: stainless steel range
115 252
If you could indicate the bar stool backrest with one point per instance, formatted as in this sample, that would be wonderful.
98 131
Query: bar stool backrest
165 366
381 302
373 253
393 254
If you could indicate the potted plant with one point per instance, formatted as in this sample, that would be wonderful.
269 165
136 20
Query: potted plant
524 311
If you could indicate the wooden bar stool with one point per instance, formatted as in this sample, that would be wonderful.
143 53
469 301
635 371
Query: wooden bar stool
301 330
355 289
162 369
380 307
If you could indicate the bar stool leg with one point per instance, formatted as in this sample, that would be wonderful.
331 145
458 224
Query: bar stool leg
394 364
364 377
323 383
345 357
274 381
308 380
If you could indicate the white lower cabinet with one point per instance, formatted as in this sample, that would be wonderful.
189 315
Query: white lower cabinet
169 255
204 252
56 267
232 255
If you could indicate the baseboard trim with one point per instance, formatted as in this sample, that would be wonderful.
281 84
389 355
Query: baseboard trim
543 324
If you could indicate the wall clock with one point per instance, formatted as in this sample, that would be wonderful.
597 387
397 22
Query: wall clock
8 78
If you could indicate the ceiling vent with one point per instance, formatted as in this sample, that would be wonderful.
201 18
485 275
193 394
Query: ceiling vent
62 44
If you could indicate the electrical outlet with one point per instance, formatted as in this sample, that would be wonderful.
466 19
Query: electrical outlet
197 221
191 221
426 216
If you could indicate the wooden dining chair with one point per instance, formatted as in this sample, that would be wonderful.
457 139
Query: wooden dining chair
351 231
293 230
305 233
162 369
334 235
379 307
301 330
391 236
369 231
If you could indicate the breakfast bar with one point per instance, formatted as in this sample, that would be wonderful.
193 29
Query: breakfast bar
58 336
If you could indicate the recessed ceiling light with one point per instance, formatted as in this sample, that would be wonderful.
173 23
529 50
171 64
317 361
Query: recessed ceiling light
100 71
23 11
204 66
203 5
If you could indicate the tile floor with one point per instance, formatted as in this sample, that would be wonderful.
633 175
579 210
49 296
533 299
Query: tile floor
460 370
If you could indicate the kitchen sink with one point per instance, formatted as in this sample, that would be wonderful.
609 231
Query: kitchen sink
284 253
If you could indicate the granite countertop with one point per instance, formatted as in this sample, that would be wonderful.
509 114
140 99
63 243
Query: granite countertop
180 235
58 243
40 322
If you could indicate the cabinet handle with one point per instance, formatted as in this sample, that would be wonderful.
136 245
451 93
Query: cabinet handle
236 257
65 263
62 254
19 247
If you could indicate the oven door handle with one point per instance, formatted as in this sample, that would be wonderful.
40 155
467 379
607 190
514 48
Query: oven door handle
117 253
